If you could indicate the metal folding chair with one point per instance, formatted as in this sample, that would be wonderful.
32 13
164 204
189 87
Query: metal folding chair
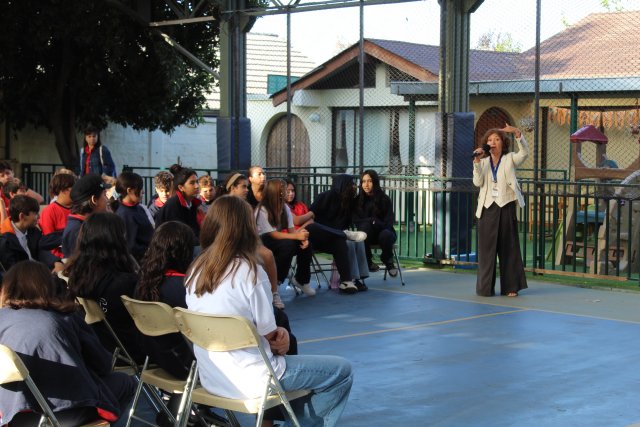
12 369
228 333
397 260
156 319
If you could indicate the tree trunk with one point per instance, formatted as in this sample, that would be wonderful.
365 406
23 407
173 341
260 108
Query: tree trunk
63 115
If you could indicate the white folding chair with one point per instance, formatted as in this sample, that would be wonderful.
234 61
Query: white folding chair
12 369
228 333
156 319
93 314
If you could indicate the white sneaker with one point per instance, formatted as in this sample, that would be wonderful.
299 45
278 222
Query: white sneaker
277 301
305 289
348 287
356 236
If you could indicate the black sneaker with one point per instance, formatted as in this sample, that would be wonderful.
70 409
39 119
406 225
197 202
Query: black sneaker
373 267
348 287
392 270
360 285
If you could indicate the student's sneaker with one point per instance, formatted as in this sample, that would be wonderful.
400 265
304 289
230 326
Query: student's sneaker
356 236
348 287
277 301
305 289
373 267
360 285
391 269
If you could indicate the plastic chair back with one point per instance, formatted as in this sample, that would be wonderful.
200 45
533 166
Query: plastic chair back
93 312
216 333
11 366
152 318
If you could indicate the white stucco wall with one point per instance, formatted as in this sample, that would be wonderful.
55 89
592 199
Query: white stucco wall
192 146
318 104
195 146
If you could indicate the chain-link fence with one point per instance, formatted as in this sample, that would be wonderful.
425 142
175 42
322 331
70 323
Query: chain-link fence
355 103
588 76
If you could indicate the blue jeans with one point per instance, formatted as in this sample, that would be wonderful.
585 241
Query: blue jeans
357 260
329 377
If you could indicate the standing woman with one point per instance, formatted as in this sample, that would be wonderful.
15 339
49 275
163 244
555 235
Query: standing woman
495 174
95 157
374 216
184 206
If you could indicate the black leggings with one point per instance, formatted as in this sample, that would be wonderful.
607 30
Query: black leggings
334 242
284 251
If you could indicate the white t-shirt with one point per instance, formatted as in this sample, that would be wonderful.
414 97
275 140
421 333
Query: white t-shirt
238 374
262 220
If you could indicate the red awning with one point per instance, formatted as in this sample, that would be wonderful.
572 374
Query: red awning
589 133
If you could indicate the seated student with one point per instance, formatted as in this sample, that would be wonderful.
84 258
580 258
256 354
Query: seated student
273 216
162 279
21 236
184 206
236 185
334 208
162 274
257 181
374 215
302 216
88 195
6 175
163 182
101 268
53 218
227 279
63 355
207 192
137 220
342 244
14 188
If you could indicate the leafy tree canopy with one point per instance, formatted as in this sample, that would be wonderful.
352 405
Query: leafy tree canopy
67 63
501 42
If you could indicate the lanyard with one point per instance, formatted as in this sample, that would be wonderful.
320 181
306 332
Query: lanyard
494 171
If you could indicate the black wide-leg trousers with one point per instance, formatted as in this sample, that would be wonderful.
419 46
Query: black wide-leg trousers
498 236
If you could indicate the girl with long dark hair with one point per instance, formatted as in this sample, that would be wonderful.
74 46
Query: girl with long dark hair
102 268
374 215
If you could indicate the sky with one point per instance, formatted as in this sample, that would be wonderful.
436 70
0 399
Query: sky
322 34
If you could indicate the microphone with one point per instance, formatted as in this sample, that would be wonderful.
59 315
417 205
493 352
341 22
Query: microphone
485 150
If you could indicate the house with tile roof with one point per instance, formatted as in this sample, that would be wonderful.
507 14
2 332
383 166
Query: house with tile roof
590 68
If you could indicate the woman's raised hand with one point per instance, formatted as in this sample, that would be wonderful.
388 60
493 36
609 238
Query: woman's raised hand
512 129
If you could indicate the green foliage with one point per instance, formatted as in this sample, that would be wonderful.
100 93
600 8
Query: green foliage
501 42
66 63
612 4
